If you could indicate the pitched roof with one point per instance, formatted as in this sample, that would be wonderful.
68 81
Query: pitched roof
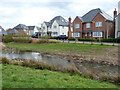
3 31
31 27
81 19
21 26
88 17
59 19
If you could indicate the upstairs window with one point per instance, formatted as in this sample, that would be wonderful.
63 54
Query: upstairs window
55 27
88 25
98 24
77 25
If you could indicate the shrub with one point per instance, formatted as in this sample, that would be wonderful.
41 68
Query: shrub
21 35
5 60
7 38
52 37
22 39
117 40
53 41
43 41
97 40
85 39
71 39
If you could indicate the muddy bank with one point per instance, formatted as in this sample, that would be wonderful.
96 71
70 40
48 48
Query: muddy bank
97 58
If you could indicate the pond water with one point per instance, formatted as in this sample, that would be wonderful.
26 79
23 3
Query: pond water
62 63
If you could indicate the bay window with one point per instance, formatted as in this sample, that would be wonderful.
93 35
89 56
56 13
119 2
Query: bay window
97 34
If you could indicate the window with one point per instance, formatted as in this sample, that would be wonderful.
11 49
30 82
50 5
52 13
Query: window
97 34
89 33
88 25
118 34
54 33
77 25
55 26
98 24
43 27
76 34
85 34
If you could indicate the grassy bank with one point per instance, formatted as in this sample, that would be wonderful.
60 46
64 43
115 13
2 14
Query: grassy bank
74 51
24 77
59 47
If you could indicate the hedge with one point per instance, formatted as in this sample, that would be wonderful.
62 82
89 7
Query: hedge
7 38
71 39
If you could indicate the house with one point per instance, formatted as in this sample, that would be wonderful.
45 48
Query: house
22 28
2 31
55 27
14 32
94 24
33 30
117 22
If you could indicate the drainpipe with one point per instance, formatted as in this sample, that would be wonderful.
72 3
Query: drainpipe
69 31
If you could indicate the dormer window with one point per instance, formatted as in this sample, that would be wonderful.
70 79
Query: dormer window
77 25
88 25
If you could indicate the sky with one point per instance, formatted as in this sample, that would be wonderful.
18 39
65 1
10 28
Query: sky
34 12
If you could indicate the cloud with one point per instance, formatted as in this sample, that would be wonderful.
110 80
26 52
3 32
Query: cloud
32 12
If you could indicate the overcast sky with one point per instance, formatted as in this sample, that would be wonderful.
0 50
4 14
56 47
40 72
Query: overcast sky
34 12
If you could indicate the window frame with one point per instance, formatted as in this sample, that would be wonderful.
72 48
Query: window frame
98 34
88 25
77 25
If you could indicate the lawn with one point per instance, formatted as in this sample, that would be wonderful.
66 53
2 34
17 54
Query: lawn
98 53
59 47
24 77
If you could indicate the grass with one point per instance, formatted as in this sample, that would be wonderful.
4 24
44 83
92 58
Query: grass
24 77
66 48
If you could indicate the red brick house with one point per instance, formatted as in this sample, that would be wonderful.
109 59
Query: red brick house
94 24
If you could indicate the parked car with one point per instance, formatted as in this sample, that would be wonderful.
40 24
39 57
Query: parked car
35 35
62 37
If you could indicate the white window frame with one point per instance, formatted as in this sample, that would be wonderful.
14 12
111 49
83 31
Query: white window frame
98 24
77 25
118 34
88 25
89 33
54 26
86 34
76 34
98 34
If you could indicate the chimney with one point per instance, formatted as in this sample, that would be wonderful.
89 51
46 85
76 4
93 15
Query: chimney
115 13
69 31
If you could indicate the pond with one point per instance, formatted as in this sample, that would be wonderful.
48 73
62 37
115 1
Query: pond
63 63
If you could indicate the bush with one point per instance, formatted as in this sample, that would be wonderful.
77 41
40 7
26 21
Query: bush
52 37
85 39
22 39
21 35
5 60
97 40
71 39
117 40
7 38
53 41
43 41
